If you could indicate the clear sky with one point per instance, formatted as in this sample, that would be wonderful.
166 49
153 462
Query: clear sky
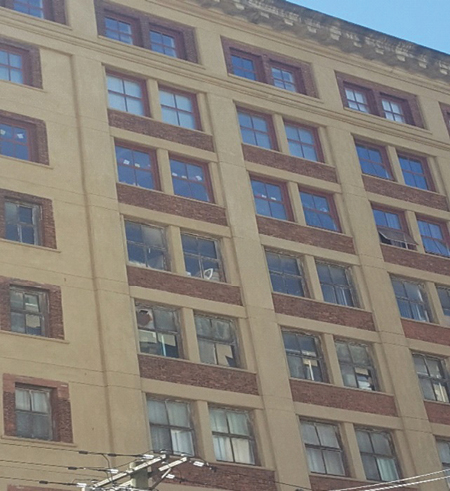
424 22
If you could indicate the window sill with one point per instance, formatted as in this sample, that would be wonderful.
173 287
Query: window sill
5 12
34 442
358 309
33 336
32 246
245 466
27 86
16 161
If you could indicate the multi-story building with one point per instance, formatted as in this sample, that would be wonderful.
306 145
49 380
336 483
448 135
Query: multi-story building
224 232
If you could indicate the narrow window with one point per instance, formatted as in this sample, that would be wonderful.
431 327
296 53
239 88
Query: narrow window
15 141
392 229
232 436
29 309
170 426
444 453
12 65
158 330
302 142
357 99
393 110
286 274
434 238
336 284
33 413
373 161
377 454
415 172
165 43
412 300
179 109
244 65
324 450
126 95
444 297
36 8
356 364
23 222
304 356
217 340
270 199
256 130
136 167
284 78
190 180
433 377
147 246
319 211
119 29
201 258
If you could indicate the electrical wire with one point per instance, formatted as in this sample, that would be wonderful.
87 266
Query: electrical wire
407 485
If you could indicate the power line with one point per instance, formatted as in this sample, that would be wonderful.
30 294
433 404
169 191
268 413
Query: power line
396 486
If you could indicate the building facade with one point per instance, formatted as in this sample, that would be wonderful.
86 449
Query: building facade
224 233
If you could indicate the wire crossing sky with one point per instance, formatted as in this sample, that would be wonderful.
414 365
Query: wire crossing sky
423 22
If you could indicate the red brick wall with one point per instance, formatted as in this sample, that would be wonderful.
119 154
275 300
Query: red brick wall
176 205
425 331
306 235
438 412
158 129
414 259
183 285
321 311
32 63
188 373
327 483
342 398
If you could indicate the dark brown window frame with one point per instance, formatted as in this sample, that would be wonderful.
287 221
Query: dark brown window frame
193 97
134 23
445 108
315 132
180 45
31 60
255 59
54 10
443 226
206 172
403 223
385 162
284 193
331 203
142 84
31 137
426 169
297 73
270 127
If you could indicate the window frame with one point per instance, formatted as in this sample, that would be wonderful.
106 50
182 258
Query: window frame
443 382
443 227
143 85
219 258
446 290
426 304
333 212
396 100
443 441
297 75
26 63
302 276
385 162
410 244
350 283
180 47
425 166
269 123
367 93
132 21
43 314
371 368
47 9
31 137
284 194
193 97
206 174
255 59
49 392
316 137
37 221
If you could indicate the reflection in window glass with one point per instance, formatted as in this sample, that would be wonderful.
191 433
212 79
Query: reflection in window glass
189 180
135 167
371 161
14 141
286 274
146 245
356 365
302 142
414 172
304 356
163 43
118 30
255 130
269 199
336 285
318 211
411 300
433 377
11 66
178 109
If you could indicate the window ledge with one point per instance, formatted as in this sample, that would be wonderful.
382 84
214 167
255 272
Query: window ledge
32 246
33 336
31 442
33 20
246 466
16 161
329 384
441 403
27 86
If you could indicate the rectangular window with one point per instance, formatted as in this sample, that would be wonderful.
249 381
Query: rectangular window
304 356
393 109
190 180
23 222
29 311
412 300
171 427
137 167
256 129
232 436
179 109
15 141
285 77
147 245
433 377
434 237
120 29
392 229
36 8
324 450
336 284
357 99
201 258
126 94
319 211
356 364
373 161
217 342
12 65
444 453
159 331
415 172
166 42
245 65
270 199
33 413
444 297
378 455
286 274
303 142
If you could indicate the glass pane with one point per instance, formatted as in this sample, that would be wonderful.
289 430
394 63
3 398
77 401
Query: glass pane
182 441
370 467
388 469
327 435
381 444
165 319
243 451
207 352
178 414
161 439
157 412
238 423
309 434
225 355
218 419
333 463
315 460
23 400
222 448
364 441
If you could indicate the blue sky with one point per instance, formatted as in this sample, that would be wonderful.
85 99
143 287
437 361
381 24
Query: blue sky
424 22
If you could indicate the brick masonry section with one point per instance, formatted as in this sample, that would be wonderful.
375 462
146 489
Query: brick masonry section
306 235
209 376
324 312
281 161
438 412
425 331
342 398
33 71
193 287
405 193
157 129
325 483
57 9
60 405
175 205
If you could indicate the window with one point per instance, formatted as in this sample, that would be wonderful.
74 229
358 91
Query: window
256 130
323 448
393 109
136 167
319 212
165 42
201 258
286 274
270 199
434 237
304 356
23 222
444 297
125 94
36 8
444 453
158 330
336 284
303 142
284 78
356 364
12 66
245 65
411 299
179 109
170 426
147 245
232 436
217 341
391 228
373 161
415 172
33 413
377 454
190 180
357 99
433 377
15 141
120 29
28 311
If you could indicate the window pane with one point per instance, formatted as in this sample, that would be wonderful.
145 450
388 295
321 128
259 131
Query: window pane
315 460
243 451
157 412
178 414
333 463
222 448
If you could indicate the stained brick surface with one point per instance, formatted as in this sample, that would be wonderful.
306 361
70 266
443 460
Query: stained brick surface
438 412
414 259
424 331
327 483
